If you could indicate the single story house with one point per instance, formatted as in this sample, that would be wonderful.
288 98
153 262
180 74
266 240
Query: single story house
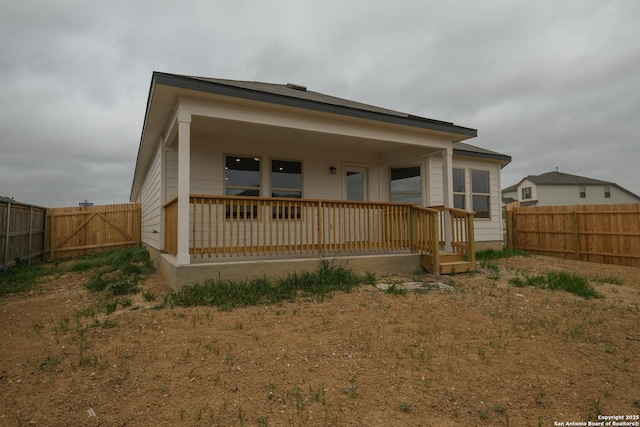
240 178
559 189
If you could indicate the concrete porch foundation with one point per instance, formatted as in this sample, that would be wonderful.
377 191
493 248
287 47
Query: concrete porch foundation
179 276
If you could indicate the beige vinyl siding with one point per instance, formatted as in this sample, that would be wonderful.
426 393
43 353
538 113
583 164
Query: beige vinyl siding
558 195
207 167
171 178
150 200
435 190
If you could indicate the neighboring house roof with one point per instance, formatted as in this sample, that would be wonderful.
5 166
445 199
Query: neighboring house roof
561 178
464 149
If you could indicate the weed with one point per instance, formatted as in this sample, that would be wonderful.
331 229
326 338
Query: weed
125 302
405 407
263 421
561 280
395 289
491 254
109 323
484 415
22 278
110 306
149 296
327 279
499 408
49 363
601 280
64 324
352 390
38 327
541 392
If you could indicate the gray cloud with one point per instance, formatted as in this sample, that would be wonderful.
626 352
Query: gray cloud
553 84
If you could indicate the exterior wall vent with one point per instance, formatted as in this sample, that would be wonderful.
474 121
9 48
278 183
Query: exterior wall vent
296 87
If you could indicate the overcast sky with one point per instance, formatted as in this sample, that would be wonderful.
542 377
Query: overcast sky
551 83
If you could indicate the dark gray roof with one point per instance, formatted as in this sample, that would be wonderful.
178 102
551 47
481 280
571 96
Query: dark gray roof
561 178
464 149
299 96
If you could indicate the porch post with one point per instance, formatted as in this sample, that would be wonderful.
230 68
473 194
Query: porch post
184 163
447 184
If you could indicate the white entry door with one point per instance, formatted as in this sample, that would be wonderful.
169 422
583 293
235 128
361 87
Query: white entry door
355 183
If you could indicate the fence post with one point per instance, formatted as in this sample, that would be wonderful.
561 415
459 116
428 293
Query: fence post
576 236
30 235
510 240
6 237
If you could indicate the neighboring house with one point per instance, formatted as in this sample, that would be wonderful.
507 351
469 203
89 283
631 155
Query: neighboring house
230 172
558 188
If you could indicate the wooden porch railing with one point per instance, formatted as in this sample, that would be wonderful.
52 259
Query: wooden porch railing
236 226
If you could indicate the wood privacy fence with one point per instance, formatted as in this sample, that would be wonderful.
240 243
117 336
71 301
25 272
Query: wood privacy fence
607 234
76 231
22 232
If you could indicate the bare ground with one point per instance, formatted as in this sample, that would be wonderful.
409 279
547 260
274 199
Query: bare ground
485 354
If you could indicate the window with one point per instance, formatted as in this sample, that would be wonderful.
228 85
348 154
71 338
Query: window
480 195
405 185
526 193
607 192
583 191
241 178
459 195
286 181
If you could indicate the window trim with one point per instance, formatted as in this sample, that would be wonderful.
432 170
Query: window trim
582 189
526 193
607 191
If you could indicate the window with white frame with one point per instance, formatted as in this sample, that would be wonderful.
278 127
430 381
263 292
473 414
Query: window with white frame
526 193
459 189
405 185
583 191
607 192
480 194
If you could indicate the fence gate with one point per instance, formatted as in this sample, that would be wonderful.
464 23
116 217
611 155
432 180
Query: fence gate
77 231
22 232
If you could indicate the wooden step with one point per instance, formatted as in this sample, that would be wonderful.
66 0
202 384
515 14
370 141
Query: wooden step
457 267
449 264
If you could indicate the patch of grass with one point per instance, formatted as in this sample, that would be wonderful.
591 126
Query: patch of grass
21 278
118 272
601 280
492 254
562 280
327 279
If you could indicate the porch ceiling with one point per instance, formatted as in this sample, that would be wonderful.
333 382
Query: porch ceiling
242 131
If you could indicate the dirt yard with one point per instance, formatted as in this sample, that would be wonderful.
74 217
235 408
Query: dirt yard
483 354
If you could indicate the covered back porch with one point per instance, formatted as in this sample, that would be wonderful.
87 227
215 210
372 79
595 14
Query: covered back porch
236 228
